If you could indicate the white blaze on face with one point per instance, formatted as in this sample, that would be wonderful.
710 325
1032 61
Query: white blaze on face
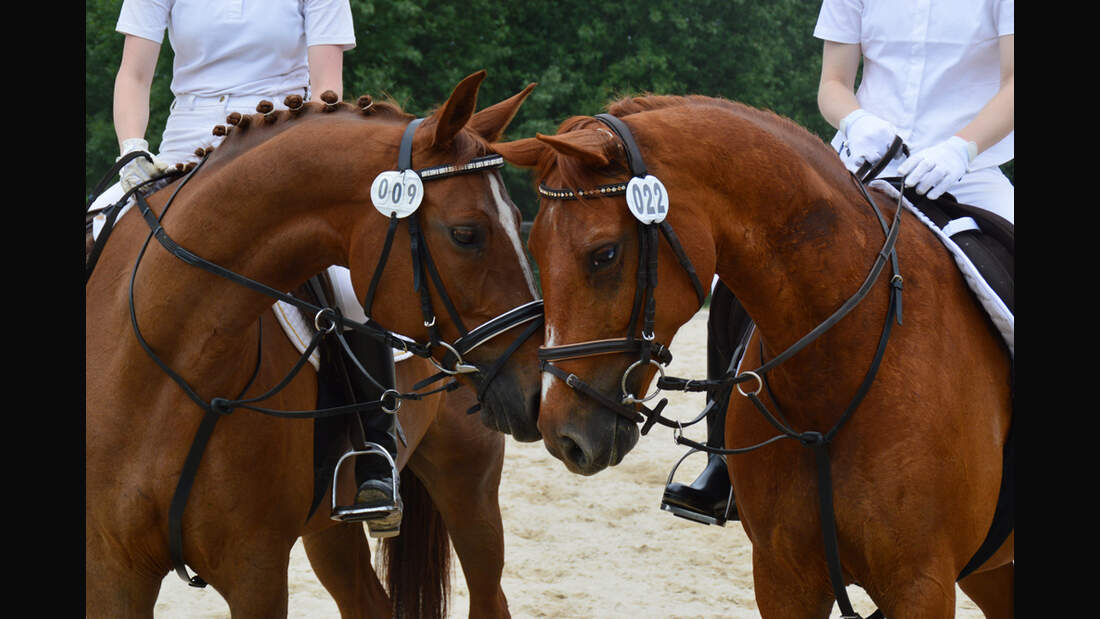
548 378
508 222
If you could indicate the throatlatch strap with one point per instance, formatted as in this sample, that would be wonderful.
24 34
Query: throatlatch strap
368 301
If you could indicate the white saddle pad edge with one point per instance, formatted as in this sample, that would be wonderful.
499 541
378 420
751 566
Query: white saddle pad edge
1002 318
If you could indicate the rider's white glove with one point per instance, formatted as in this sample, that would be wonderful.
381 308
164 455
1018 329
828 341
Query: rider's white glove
140 169
866 139
935 169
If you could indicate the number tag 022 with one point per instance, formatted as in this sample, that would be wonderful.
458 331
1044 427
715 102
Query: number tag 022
647 199
397 192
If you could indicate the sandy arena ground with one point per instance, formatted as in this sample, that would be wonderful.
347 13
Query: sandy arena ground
588 547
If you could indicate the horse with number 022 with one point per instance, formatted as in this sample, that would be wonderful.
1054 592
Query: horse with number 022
753 197
286 195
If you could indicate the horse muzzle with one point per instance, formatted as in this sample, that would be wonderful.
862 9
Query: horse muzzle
591 440
508 408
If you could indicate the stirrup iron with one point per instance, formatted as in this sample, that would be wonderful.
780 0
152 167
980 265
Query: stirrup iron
689 514
359 513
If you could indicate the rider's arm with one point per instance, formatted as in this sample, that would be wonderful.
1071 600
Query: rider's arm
998 118
132 86
836 90
326 70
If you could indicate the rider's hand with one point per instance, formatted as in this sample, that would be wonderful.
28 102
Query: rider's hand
139 169
867 138
935 169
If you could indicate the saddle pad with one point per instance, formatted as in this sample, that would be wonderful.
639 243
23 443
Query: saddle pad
299 331
999 313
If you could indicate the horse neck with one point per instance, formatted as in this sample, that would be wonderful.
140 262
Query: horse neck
275 215
793 235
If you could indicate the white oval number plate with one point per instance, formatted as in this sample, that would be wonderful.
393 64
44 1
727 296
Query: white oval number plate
397 192
647 199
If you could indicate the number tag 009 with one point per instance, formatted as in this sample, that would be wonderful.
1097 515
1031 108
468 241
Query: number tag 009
647 199
397 192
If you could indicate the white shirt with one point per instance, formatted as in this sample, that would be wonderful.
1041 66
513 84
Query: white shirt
929 66
239 47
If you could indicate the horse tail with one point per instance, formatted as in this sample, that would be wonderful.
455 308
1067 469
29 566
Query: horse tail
417 563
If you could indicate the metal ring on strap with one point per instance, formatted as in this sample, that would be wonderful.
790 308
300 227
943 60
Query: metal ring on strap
759 383
396 399
461 367
629 398
326 311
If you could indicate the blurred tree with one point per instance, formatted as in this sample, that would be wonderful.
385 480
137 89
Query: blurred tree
582 54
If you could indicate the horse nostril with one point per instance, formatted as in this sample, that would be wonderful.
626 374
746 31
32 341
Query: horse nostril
573 452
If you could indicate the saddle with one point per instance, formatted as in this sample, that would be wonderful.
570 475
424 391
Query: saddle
982 244
986 238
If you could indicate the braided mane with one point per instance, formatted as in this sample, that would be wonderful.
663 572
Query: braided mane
250 130
245 132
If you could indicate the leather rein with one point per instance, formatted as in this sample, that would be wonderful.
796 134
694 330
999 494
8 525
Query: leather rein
650 352
328 320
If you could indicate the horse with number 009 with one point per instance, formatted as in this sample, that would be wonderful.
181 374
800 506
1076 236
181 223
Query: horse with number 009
906 459
181 343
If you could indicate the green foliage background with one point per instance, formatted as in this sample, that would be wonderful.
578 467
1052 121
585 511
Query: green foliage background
582 54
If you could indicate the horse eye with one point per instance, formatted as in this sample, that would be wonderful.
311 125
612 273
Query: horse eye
465 236
604 256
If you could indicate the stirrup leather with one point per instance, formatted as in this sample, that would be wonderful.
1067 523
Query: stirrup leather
362 513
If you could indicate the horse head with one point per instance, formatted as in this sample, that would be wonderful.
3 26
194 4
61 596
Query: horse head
470 267
587 244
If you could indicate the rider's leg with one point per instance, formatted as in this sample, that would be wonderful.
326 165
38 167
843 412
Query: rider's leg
374 475
711 494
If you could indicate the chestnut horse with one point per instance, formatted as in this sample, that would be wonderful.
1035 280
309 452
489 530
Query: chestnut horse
287 194
763 203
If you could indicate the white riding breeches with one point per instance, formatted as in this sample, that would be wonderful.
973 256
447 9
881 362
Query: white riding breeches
190 126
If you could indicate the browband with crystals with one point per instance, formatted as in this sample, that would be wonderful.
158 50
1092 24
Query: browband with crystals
614 189
474 165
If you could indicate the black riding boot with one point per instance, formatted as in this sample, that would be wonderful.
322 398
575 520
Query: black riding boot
709 499
378 493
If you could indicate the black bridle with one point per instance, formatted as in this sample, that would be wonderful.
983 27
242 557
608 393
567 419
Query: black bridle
647 281
328 320
648 350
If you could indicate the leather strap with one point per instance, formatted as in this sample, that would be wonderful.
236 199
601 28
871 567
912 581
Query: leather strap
219 407
404 151
633 153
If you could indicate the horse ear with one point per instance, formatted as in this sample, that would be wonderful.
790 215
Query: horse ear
593 147
523 153
491 122
456 112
